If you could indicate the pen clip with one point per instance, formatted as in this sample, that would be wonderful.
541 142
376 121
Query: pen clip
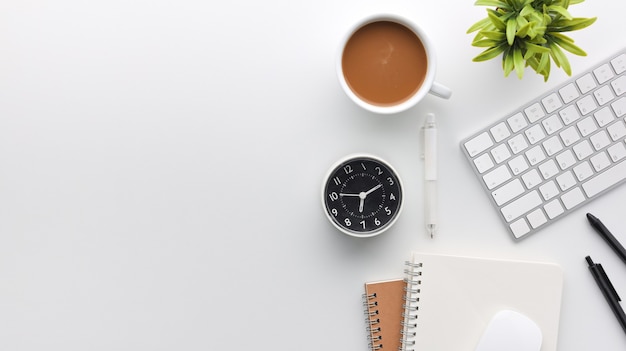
606 279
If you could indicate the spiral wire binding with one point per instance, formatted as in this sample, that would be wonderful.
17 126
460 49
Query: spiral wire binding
413 273
373 330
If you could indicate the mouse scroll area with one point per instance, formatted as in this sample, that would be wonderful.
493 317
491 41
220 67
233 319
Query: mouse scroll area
511 331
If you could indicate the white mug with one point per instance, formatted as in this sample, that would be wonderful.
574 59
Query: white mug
382 56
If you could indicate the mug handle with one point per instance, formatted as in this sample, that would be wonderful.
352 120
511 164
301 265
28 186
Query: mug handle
440 90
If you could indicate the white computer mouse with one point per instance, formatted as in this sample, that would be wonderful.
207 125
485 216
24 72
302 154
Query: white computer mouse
511 331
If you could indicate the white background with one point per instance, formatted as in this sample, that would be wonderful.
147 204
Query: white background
161 165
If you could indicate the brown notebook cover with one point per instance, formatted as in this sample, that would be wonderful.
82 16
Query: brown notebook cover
384 308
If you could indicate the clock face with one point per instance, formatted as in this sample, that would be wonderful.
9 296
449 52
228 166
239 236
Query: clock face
362 196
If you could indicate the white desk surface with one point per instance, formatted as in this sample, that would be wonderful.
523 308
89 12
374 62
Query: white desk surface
161 168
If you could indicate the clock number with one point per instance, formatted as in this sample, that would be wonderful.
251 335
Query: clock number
387 210
376 221
334 212
333 196
348 222
337 180
380 171
390 180
362 223
392 196
347 169
364 168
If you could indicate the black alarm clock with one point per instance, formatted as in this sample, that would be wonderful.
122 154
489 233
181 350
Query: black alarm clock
362 195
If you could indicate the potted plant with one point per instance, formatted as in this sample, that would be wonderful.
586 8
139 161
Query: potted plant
528 33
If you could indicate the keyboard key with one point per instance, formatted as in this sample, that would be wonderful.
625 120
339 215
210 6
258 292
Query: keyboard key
531 179
617 130
603 95
478 144
583 150
604 116
534 112
496 177
500 132
603 73
568 93
566 180
583 171
572 198
619 85
586 126
508 192
553 208
536 218
586 83
619 107
569 136
548 190
569 114
600 140
548 169
535 134
519 228
605 180
518 143
517 122
619 63
551 103
552 145
586 105
535 155
518 164
520 206
483 163
500 153
566 159
600 161
617 152
552 124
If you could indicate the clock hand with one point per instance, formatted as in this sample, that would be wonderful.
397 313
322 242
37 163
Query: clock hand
373 189
362 200
345 194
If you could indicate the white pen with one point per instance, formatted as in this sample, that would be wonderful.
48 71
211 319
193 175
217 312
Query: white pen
430 174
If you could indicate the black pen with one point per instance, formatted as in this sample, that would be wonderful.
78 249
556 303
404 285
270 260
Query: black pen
608 290
606 234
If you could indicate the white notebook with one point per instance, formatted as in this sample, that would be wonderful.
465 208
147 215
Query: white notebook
451 299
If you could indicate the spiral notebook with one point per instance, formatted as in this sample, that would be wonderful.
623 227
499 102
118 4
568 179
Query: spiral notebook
384 307
451 299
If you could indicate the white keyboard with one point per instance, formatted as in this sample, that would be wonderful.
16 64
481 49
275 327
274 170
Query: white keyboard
557 152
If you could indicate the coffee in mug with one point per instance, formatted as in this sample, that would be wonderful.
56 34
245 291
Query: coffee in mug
387 65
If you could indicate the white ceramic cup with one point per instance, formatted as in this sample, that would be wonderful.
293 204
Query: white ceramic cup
428 86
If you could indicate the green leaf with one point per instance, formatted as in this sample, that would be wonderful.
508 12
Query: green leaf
560 59
566 44
493 35
479 25
496 20
561 11
486 43
490 53
526 11
536 49
507 63
523 30
518 60
495 3
511 26
571 25
544 62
